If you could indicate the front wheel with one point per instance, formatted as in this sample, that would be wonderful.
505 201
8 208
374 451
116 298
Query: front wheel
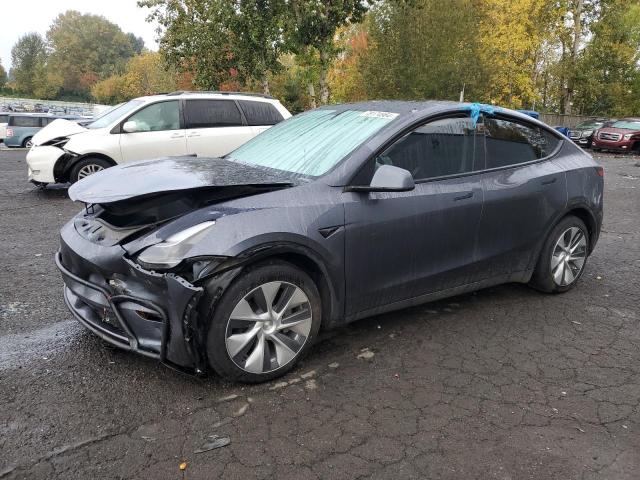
563 257
86 167
264 324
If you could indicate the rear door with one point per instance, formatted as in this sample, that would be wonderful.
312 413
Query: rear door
159 133
214 127
401 245
260 115
523 190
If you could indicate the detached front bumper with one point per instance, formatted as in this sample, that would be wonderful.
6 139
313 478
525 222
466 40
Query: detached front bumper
131 308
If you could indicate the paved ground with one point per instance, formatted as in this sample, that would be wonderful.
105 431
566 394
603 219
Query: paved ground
506 383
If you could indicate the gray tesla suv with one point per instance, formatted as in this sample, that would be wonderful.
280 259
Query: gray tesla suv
234 264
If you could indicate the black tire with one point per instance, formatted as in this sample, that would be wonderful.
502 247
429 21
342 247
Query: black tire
220 313
26 142
98 163
543 278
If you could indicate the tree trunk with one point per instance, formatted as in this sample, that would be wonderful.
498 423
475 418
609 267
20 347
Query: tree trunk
312 95
577 34
324 67
265 84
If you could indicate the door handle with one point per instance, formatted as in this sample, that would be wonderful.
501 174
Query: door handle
177 135
194 134
463 196
549 181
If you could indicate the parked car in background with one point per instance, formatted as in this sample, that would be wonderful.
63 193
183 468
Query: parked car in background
4 118
181 123
22 127
582 134
621 136
347 211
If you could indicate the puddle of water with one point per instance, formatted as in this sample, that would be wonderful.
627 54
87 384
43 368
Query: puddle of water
19 348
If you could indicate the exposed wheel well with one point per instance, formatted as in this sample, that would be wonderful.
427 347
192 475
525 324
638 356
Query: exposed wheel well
68 166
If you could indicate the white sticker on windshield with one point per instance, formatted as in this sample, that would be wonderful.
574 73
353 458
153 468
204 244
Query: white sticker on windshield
374 114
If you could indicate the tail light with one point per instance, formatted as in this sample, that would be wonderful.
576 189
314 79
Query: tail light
9 132
600 171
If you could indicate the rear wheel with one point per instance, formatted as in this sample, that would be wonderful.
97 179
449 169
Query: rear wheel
27 143
264 324
86 167
563 256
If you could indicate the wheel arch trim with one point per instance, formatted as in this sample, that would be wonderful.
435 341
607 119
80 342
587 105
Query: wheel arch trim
301 256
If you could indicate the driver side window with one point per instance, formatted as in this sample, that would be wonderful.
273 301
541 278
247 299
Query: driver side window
437 149
158 117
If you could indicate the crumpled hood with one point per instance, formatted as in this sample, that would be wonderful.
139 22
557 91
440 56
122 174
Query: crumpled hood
170 175
56 129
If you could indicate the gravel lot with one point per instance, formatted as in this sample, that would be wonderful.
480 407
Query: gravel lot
506 383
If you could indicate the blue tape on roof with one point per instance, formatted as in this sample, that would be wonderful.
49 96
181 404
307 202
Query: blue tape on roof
477 108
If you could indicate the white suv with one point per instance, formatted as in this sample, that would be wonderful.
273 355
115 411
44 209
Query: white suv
207 124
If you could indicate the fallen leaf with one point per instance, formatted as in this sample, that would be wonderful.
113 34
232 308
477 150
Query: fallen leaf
183 466
213 443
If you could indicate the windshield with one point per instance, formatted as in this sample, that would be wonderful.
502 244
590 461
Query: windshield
627 124
311 143
110 117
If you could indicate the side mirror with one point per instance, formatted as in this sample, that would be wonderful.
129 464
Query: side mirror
387 179
130 126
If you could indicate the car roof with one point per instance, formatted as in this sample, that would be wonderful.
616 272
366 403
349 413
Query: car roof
413 108
210 94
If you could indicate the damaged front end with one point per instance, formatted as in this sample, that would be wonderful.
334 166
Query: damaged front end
128 276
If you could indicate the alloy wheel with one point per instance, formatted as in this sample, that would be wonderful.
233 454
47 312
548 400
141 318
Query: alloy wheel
268 327
88 170
568 256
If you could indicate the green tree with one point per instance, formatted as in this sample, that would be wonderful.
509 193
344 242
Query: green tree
145 74
3 75
256 28
313 26
194 37
86 48
28 57
220 40
420 50
608 69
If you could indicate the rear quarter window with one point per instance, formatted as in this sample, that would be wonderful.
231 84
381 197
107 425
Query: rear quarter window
4 118
260 113
212 113
24 121
510 142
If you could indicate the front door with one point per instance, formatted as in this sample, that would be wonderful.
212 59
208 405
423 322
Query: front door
158 133
405 244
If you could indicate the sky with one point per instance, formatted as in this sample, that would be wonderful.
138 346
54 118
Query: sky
23 16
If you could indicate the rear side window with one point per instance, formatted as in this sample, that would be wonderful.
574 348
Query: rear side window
260 113
436 149
510 143
24 121
212 113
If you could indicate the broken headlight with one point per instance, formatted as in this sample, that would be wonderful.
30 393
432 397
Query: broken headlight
171 251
